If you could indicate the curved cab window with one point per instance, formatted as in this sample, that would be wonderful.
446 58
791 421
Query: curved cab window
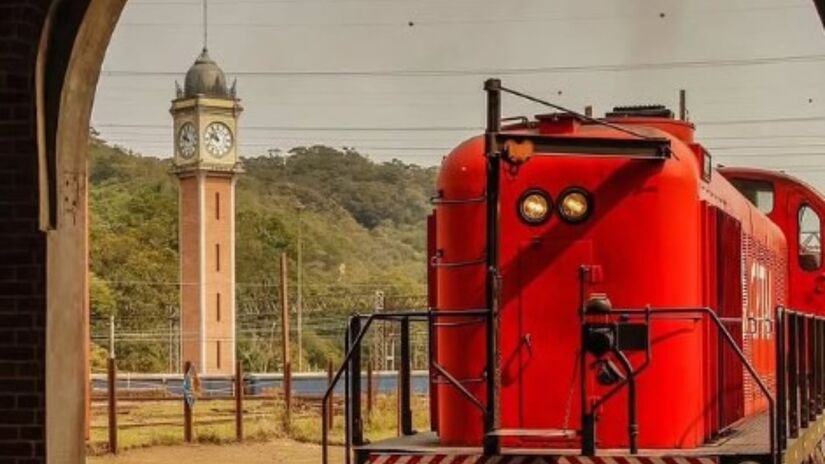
759 192
810 244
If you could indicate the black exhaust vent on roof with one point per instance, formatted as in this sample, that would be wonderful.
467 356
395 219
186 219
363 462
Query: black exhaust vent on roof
648 111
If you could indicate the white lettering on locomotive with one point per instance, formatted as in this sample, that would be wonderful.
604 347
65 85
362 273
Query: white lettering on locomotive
759 315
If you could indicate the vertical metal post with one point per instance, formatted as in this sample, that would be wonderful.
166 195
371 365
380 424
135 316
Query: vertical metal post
588 416
239 392
492 445
683 112
370 393
355 384
112 337
813 375
331 405
187 410
589 435
287 368
804 367
820 365
793 377
405 374
432 303
781 379
816 391
433 349
347 405
111 380
171 354
299 297
632 423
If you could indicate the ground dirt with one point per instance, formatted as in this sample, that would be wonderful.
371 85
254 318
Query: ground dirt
273 452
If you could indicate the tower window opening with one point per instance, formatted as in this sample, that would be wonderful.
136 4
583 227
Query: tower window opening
218 306
218 353
217 206
218 257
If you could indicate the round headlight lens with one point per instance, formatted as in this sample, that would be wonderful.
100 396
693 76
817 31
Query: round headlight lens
535 207
574 206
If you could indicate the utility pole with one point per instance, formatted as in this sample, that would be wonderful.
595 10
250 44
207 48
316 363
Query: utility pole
112 336
285 340
683 111
111 380
171 338
299 302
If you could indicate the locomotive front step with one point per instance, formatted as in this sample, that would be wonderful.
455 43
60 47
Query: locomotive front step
535 433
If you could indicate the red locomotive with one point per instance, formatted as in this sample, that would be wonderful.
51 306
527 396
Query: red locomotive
600 293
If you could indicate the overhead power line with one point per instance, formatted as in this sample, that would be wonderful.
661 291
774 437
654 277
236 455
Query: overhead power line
416 22
445 128
720 63
761 121
313 129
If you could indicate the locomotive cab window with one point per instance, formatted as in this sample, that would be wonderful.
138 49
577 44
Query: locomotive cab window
810 244
759 192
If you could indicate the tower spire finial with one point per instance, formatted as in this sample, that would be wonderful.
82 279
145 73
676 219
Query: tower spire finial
205 24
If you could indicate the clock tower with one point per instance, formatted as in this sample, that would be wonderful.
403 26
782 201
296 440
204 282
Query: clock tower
205 114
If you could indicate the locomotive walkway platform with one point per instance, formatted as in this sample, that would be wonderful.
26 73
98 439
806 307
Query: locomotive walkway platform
749 437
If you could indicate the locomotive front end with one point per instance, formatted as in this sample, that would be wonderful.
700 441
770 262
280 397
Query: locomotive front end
591 213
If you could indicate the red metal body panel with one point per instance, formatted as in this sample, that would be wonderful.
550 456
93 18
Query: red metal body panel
460 273
662 235
806 287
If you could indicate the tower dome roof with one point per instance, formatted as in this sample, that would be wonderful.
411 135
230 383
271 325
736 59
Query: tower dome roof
205 77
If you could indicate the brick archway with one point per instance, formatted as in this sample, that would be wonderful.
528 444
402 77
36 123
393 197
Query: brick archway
51 52
67 247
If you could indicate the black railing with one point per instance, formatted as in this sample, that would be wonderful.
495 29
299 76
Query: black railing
358 327
800 381
651 314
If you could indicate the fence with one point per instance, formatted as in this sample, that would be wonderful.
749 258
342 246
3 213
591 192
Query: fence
147 334
149 409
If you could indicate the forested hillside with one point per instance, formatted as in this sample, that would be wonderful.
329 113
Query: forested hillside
362 225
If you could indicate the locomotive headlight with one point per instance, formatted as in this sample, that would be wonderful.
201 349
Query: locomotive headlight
534 207
575 205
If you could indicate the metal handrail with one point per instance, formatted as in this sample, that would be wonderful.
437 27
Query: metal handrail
800 383
353 347
653 312
439 200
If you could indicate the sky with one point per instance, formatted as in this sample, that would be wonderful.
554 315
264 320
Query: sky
402 78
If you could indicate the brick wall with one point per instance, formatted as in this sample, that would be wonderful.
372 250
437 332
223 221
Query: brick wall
22 245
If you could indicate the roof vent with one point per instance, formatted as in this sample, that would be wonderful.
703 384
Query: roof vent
645 111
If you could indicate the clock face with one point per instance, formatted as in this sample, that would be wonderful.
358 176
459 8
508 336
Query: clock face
218 139
187 141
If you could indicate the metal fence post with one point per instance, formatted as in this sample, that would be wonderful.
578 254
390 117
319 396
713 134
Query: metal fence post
112 387
187 410
331 403
239 393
